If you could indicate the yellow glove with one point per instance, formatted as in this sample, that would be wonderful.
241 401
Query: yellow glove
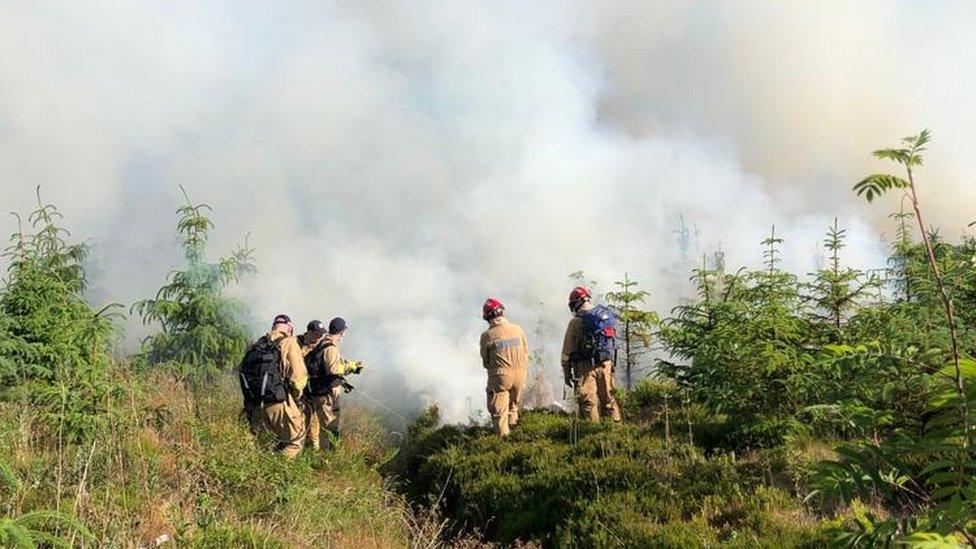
354 367
298 386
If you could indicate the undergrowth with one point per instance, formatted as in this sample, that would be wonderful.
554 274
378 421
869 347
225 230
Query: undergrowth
619 485
179 463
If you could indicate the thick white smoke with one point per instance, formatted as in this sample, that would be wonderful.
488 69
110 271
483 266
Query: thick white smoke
397 164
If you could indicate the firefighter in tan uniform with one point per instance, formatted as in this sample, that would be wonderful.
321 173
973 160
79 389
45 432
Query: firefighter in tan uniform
314 332
504 354
327 382
285 419
309 341
591 379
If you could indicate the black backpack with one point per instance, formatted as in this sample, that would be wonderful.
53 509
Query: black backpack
320 381
261 379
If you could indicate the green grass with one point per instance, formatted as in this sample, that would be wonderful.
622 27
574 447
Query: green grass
619 485
180 463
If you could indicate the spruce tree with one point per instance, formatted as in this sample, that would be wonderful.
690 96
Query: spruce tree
54 346
835 290
637 324
201 328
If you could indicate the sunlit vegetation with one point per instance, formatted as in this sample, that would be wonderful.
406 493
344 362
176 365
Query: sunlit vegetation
770 409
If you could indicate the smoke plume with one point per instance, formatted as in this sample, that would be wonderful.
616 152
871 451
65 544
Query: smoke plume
396 163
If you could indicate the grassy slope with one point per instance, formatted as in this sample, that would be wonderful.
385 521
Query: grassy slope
618 485
178 462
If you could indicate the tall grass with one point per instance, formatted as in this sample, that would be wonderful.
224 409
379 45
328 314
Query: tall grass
178 464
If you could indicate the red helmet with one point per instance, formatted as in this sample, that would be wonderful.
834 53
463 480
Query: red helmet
578 296
491 308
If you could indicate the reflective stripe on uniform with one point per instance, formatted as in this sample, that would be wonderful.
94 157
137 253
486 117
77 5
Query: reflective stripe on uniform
506 344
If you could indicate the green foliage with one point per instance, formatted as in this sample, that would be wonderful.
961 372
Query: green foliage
908 156
877 184
180 462
54 348
220 537
43 528
37 528
771 254
836 291
618 486
200 327
774 362
744 349
637 324
773 387
650 394
923 474
903 249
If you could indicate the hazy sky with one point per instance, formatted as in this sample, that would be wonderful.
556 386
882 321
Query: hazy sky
396 163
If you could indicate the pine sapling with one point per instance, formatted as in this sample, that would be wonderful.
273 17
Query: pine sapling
636 322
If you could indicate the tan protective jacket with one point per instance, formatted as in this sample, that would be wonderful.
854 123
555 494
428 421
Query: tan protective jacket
571 341
503 346
594 381
334 363
292 361
306 343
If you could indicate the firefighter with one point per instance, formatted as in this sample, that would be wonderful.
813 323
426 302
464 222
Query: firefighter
587 357
327 371
314 332
273 376
504 354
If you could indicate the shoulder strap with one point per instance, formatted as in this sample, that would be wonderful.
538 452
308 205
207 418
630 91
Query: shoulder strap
262 342
277 342
321 346
317 352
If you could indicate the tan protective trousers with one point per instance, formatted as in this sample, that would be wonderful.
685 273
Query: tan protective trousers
325 415
505 390
286 422
594 391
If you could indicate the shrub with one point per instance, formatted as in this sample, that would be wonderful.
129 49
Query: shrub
54 346
619 485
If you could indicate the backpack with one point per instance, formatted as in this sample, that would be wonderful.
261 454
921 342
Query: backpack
260 374
320 381
599 331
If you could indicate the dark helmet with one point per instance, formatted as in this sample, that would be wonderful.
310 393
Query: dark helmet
337 325
315 326
281 319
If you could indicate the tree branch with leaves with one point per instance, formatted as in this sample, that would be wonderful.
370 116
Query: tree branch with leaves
909 156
